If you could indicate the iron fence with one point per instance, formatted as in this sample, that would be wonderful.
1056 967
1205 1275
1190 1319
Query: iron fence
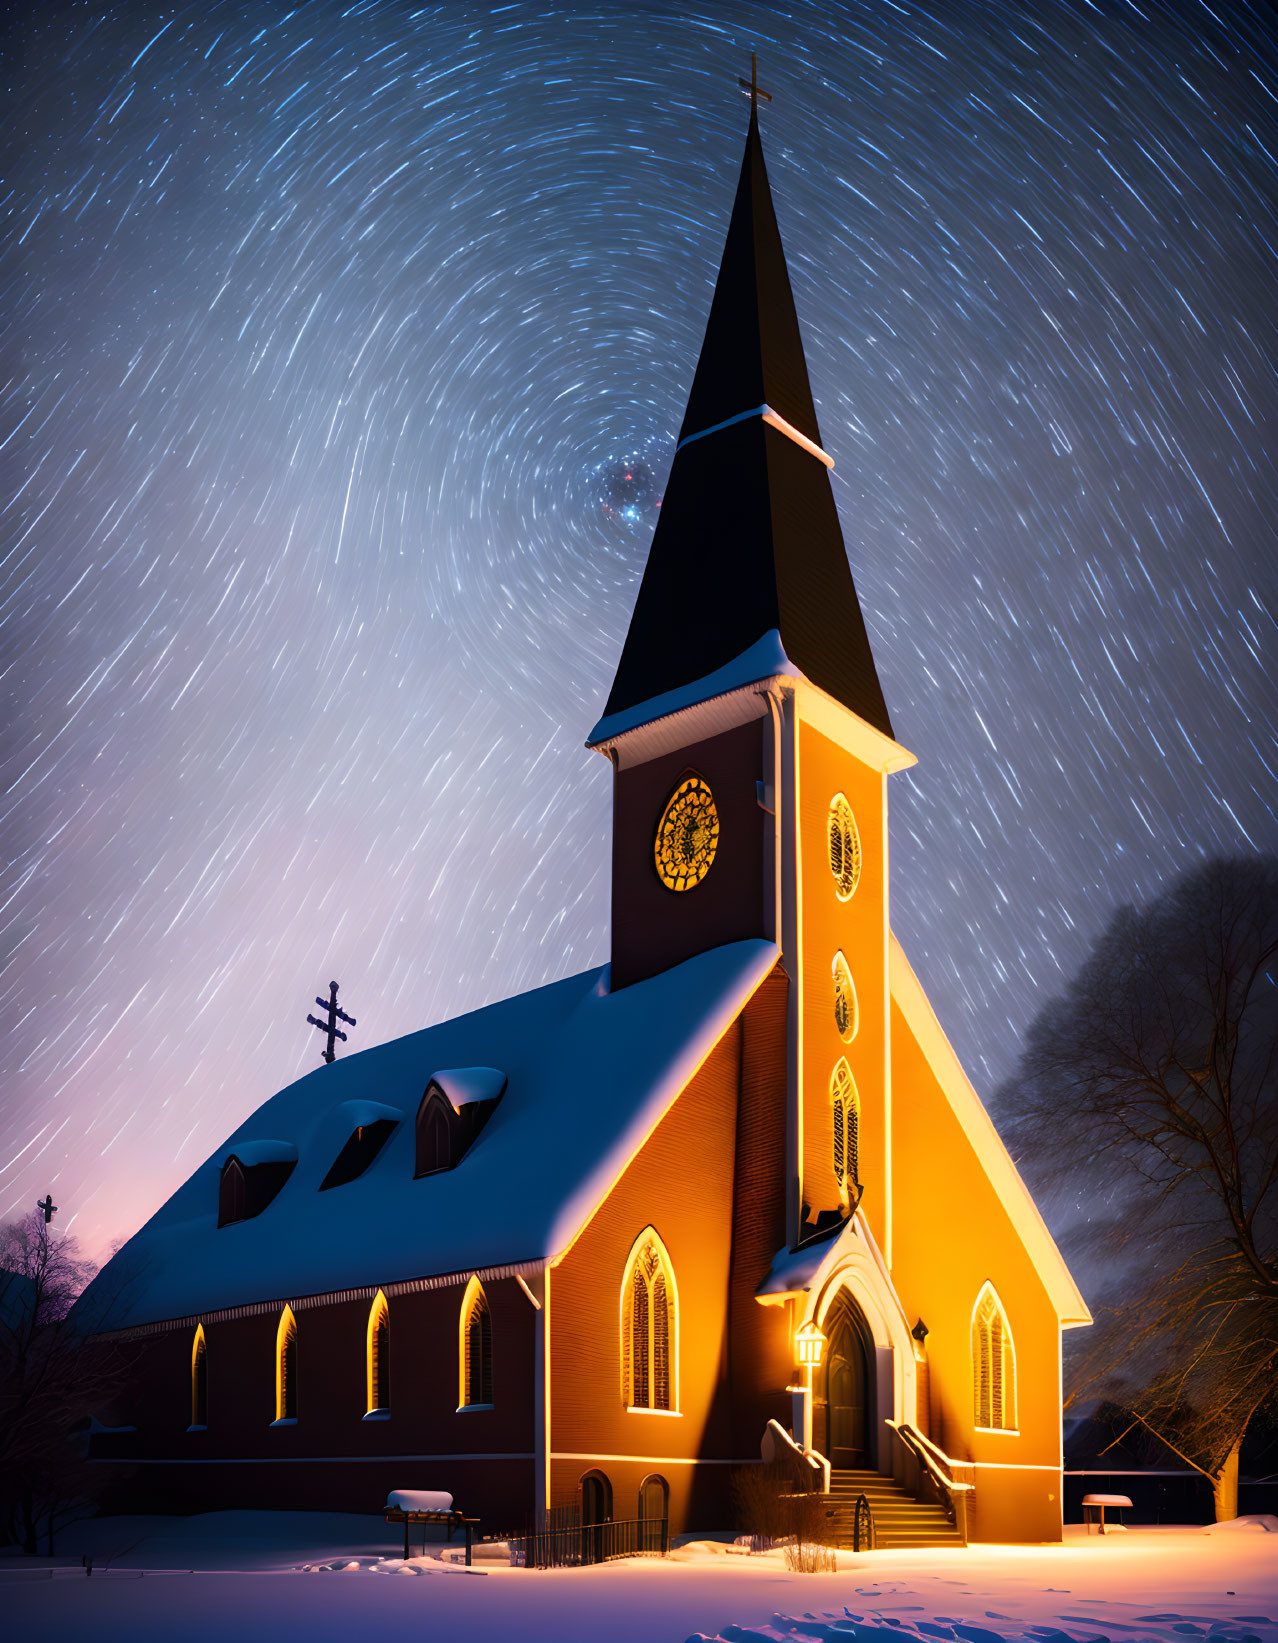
558 1539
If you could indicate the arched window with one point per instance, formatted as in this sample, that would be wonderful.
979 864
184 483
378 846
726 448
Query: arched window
199 1379
476 1349
232 1195
993 1364
436 1122
362 1146
286 1367
649 1327
377 1354
846 1105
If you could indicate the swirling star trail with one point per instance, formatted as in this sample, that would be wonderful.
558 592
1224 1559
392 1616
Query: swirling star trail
328 330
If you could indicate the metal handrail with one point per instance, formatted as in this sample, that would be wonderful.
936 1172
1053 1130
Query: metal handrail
938 1468
862 1525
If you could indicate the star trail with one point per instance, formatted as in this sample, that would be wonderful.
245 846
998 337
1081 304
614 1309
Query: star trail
332 334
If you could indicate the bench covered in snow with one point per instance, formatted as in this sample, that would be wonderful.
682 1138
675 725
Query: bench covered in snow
408 1506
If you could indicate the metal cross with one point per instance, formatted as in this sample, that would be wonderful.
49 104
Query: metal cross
330 1026
752 85
48 1206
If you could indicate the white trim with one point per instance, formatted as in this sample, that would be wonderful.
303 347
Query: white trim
470 1408
1007 1466
979 1129
643 1409
523 1284
773 419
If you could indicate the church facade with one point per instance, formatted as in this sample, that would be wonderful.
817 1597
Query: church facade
604 1242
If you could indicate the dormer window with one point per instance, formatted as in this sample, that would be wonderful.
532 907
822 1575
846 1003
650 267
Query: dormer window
457 1104
362 1146
252 1175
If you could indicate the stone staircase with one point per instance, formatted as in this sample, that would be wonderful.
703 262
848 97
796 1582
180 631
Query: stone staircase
900 1521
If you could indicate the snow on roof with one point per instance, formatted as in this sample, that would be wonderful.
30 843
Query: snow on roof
463 1085
795 1270
250 1153
764 659
589 1073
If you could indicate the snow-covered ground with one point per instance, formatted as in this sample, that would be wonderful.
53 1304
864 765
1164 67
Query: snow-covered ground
266 1575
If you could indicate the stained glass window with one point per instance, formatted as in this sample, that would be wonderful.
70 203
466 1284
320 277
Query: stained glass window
993 1365
846 1016
847 1124
477 1347
687 835
648 1326
378 1354
845 847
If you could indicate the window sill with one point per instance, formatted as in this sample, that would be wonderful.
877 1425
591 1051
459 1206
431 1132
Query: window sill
376 1415
998 1431
643 1409
202 1427
285 1420
472 1408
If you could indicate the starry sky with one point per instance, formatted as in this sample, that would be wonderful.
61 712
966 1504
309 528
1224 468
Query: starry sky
328 329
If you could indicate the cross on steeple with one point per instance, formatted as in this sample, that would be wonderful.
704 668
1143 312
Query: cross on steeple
752 86
48 1206
330 1026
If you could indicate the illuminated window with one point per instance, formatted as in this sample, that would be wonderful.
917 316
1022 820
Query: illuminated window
845 847
649 1327
476 1349
846 1017
846 1104
687 835
286 1367
993 1365
199 1379
377 1355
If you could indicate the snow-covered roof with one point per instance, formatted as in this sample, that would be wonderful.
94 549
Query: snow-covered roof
261 1151
462 1085
588 1074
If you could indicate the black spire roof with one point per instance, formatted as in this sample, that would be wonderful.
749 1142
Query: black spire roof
748 540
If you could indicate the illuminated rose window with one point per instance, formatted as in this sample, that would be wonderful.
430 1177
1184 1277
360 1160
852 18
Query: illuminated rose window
845 847
845 1008
687 835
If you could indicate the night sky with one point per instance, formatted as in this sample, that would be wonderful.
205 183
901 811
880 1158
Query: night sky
328 329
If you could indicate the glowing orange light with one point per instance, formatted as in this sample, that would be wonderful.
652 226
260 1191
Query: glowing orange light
809 1343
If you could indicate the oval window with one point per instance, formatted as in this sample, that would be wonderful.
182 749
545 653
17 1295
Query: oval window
845 1007
845 847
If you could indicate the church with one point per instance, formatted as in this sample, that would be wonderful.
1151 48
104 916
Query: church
729 1195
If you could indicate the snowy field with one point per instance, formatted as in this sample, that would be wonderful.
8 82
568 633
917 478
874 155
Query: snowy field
247 1576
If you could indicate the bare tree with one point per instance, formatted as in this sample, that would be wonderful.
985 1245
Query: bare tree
1145 1108
53 1378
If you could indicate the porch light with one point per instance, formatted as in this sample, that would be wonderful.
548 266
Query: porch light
809 1342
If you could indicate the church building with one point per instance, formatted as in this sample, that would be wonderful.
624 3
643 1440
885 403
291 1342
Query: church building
730 1194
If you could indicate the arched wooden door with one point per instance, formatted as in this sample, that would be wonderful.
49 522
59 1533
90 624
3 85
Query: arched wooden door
847 1387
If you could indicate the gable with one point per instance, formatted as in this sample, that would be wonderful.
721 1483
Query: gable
978 1128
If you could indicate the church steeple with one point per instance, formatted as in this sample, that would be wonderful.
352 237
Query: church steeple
747 576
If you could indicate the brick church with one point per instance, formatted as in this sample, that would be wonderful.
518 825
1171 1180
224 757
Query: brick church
730 1193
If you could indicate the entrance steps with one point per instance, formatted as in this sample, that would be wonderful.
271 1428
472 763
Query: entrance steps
900 1521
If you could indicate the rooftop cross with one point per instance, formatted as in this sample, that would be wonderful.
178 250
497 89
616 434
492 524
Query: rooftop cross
48 1206
330 1026
752 85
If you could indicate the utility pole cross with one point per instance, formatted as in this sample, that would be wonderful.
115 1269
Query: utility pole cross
329 1005
752 85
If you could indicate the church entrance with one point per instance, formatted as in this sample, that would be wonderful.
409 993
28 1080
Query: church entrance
844 1389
